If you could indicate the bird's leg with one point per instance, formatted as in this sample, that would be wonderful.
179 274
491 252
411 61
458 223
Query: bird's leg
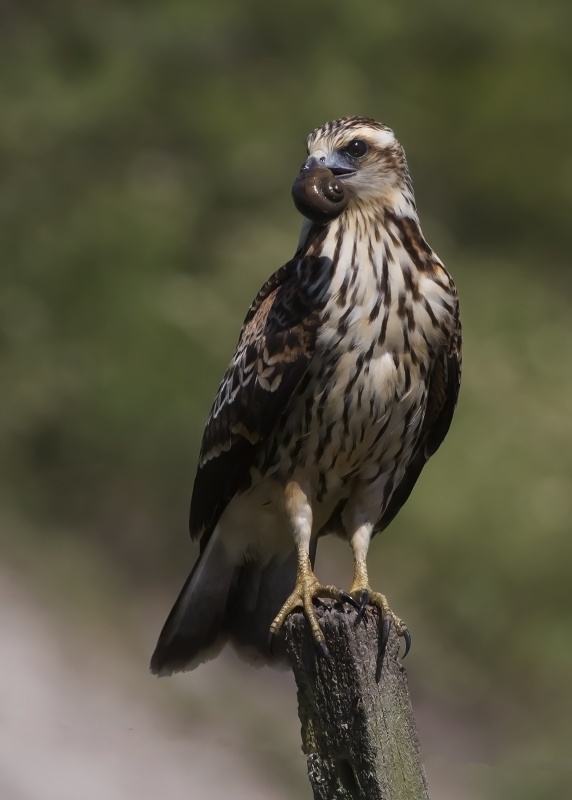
307 587
361 591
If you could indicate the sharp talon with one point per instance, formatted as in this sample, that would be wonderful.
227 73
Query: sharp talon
347 598
270 643
307 595
363 601
407 636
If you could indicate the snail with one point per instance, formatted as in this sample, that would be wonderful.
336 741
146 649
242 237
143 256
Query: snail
319 195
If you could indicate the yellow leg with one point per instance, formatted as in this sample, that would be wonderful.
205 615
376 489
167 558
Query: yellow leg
307 588
361 591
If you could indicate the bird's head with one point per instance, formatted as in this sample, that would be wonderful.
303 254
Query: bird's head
351 161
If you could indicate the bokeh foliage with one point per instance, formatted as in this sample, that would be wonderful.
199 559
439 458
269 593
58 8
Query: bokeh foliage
146 154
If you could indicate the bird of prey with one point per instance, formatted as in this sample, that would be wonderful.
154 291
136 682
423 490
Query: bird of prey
343 384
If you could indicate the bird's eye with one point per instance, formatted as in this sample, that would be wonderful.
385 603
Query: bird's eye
357 148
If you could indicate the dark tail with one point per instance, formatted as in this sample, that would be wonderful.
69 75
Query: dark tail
221 600
193 630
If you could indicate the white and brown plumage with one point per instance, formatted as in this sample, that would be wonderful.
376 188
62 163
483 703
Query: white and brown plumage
343 384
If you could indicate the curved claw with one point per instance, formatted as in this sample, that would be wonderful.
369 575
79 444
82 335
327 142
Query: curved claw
347 598
363 601
270 643
407 636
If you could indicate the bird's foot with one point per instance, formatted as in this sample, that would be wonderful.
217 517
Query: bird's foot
306 591
364 597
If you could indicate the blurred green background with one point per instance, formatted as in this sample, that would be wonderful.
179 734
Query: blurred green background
146 156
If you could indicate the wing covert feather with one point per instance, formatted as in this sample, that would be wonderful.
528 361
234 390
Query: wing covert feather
275 346
442 395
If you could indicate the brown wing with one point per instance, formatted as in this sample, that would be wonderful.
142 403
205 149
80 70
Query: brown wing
442 394
275 347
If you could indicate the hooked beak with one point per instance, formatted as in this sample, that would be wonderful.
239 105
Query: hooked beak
334 164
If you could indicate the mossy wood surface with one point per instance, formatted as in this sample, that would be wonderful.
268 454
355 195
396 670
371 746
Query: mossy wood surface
358 733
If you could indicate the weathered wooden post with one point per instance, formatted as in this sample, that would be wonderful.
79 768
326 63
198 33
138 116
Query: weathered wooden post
358 733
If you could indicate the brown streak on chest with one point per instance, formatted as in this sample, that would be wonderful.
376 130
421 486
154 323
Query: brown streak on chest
413 242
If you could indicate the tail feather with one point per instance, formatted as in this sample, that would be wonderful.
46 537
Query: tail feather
223 600
194 630
260 591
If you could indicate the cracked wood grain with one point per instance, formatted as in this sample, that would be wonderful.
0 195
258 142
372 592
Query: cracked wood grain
359 735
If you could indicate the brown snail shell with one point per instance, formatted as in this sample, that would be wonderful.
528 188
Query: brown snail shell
319 195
